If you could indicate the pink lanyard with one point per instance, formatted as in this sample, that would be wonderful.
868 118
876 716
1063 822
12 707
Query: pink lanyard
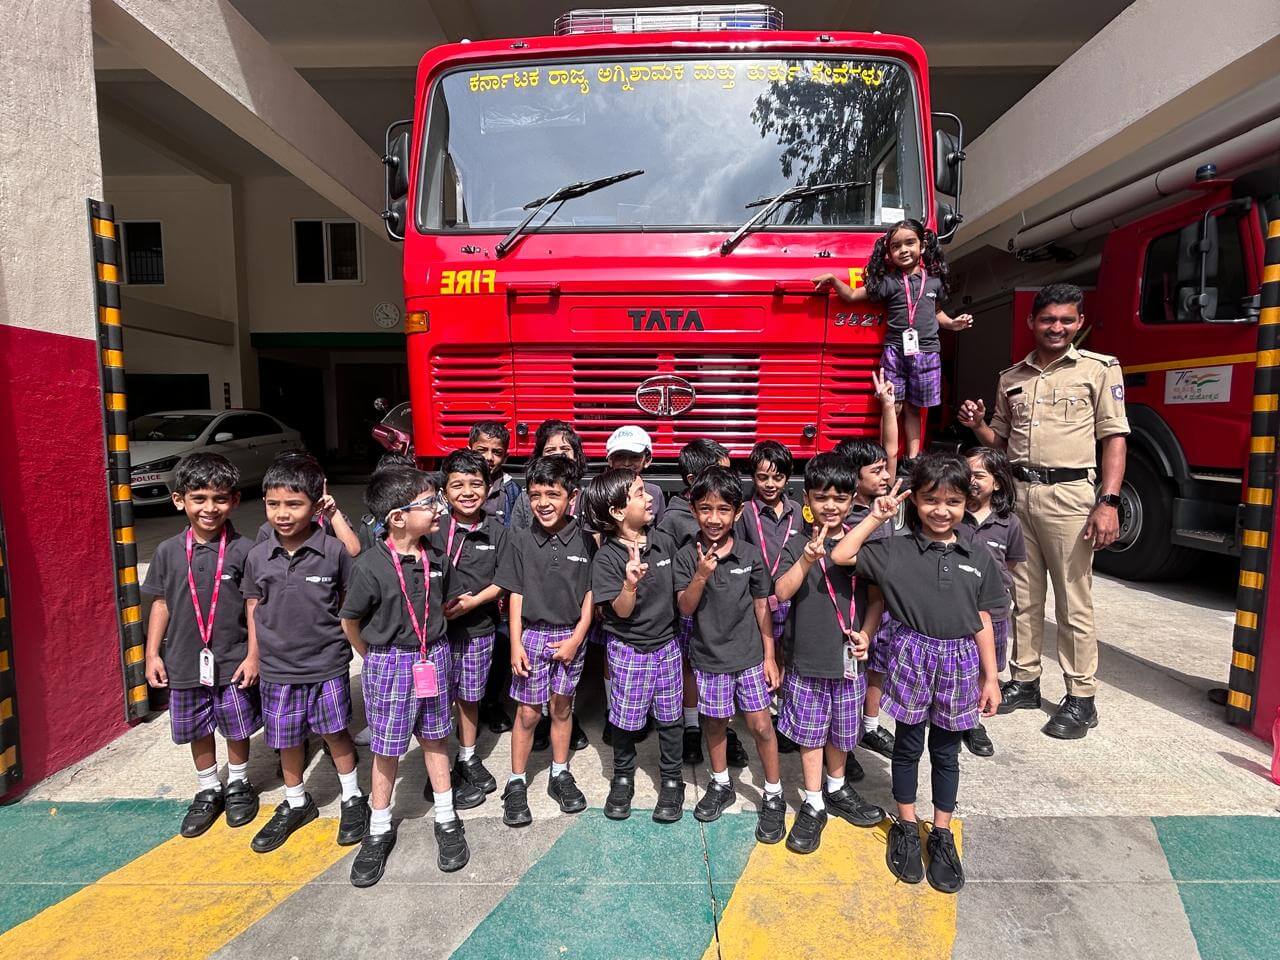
206 628
846 627
764 549
913 304
448 547
419 630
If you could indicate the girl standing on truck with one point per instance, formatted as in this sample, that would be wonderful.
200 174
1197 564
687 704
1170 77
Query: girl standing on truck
908 274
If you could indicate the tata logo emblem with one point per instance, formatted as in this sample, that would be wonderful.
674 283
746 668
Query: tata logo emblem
665 396
644 318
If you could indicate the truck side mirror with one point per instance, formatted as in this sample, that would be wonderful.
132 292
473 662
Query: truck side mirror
396 190
949 220
1204 301
948 158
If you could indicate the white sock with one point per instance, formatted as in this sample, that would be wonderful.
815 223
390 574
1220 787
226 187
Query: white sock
350 784
523 778
834 783
237 771
814 799
608 694
690 718
546 710
721 776
296 797
870 723
773 789
444 807
465 752
209 778
380 821
558 768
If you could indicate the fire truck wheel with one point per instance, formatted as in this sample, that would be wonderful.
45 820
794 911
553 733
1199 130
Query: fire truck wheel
1143 550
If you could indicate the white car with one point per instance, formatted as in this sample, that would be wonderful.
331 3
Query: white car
157 441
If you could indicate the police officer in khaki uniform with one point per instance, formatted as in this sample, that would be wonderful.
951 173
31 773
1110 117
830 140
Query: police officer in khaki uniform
1052 410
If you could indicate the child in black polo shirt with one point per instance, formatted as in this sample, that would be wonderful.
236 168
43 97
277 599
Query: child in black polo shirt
471 539
198 643
293 587
547 570
941 589
327 516
632 580
770 516
832 617
491 440
394 618
722 582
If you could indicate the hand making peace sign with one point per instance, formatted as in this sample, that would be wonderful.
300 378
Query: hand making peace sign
707 562
816 548
886 508
636 569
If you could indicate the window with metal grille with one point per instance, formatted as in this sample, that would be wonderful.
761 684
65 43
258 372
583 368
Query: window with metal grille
326 251
143 252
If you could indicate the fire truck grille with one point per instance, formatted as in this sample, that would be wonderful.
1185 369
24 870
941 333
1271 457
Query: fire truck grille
467 386
849 406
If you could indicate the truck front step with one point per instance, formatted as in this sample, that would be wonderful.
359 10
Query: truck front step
1215 541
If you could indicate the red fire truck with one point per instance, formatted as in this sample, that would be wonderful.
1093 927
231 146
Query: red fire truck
619 223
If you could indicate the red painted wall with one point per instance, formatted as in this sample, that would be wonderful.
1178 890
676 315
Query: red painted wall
54 496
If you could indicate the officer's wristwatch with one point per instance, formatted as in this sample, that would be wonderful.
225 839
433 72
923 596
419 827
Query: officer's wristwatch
1108 500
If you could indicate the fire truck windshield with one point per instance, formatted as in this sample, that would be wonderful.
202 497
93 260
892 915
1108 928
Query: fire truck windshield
711 135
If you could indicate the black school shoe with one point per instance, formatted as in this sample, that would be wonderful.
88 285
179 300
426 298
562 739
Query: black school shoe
371 858
466 795
718 798
578 737
878 741
806 829
1076 716
563 789
542 734
978 741
736 752
945 873
902 853
853 771
284 822
241 803
354 821
847 804
474 772
1019 695
617 806
515 804
452 852
205 808
772 825
670 805
693 745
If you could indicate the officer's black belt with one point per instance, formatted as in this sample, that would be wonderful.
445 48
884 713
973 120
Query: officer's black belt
1050 474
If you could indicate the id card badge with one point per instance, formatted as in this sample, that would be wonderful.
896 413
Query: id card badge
425 683
207 675
773 602
850 662
910 342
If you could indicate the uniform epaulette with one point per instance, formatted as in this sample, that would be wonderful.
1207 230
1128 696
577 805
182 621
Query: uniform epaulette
1104 359
1011 368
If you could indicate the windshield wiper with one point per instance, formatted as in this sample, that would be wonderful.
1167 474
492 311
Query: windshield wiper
567 192
769 204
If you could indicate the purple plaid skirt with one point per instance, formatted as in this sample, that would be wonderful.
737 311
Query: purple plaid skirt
816 710
198 711
546 676
1001 630
780 619
720 695
934 680
644 683
917 379
395 714
292 710
882 645
469 672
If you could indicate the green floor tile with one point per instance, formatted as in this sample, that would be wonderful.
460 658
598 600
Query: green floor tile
1233 921
1221 848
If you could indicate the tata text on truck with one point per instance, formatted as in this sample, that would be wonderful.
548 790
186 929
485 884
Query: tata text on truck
619 224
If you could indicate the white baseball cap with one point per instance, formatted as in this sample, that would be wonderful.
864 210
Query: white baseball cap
628 439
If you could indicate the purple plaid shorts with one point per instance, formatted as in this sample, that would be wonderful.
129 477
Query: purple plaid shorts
720 694
596 634
817 710
394 713
882 645
469 671
292 710
197 712
684 633
780 619
917 379
546 676
934 680
644 683
1001 630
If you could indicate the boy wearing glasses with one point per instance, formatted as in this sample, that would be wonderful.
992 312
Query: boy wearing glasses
394 617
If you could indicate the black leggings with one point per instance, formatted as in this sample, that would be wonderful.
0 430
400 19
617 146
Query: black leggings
670 750
944 757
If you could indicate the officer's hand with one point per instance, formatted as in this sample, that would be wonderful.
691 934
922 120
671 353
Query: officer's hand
972 413
1103 526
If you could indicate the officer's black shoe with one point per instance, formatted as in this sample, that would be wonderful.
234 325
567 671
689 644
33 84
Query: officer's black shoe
848 804
617 806
578 738
282 824
205 808
902 853
1019 695
496 717
806 829
1076 716
878 741
354 821
772 823
853 771
737 753
452 852
242 803
718 798
515 804
371 858
693 745
542 734
945 873
670 805
978 741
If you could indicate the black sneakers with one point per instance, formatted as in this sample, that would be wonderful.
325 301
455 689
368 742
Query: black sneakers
945 873
902 853
1076 716
772 824
466 795
283 823
693 745
670 805
878 741
848 804
806 829
978 741
578 737
452 852
205 808
853 771
474 772
563 789
1019 695
242 803
371 858
354 821
617 806
736 751
515 804
718 798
